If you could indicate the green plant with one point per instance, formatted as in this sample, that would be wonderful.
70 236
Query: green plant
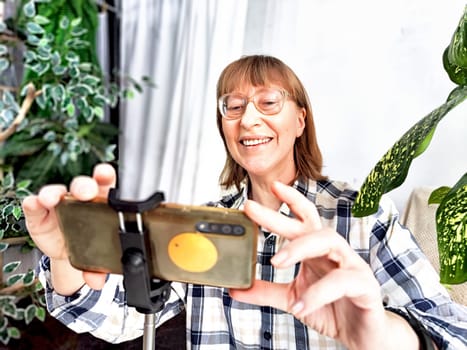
64 133
52 124
391 170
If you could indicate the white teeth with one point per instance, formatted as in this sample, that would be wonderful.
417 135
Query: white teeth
255 142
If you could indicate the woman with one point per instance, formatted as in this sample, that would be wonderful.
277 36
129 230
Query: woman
325 280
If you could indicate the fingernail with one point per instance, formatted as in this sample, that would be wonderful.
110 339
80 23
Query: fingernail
297 307
279 258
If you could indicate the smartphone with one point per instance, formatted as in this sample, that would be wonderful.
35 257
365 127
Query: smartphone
186 243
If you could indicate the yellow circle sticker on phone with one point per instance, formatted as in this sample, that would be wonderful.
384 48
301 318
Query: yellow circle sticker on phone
192 252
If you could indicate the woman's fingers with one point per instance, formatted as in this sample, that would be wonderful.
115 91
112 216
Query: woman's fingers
87 188
106 178
94 280
263 293
301 206
321 244
334 286
306 218
49 196
38 208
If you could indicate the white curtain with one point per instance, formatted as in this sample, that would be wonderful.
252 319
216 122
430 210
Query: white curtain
169 140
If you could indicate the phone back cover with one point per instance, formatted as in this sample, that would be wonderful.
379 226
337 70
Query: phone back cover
178 250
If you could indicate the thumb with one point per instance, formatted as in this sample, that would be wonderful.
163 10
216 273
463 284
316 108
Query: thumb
94 280
263 293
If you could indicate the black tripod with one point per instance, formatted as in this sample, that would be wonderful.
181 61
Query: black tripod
147 294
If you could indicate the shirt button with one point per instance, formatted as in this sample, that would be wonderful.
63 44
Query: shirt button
267 335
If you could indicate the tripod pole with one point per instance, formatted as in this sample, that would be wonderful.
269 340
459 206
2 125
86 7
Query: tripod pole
149 335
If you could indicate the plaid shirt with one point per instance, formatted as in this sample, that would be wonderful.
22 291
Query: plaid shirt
215 321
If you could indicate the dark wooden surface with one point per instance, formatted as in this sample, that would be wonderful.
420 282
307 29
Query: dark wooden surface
52 335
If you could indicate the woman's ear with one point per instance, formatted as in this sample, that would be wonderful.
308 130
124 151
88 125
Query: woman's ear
301 116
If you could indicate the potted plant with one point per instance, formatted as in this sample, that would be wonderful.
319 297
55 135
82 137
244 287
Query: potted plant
51 125
391 170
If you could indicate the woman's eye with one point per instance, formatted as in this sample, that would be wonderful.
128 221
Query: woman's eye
234 107
268 103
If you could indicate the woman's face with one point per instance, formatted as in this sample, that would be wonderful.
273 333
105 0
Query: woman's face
264 144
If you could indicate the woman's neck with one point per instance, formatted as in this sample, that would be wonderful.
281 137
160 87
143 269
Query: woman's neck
260 191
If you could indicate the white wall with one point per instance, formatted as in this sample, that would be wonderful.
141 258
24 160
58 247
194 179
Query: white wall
372 69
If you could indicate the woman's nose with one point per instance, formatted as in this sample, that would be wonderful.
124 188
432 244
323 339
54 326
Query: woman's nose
251 116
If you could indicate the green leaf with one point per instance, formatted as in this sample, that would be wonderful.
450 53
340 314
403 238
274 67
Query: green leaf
55 148
9 100
72 57
22 147
41 101
3 246
457 50
34 28
451 224
29 9
23 184
9 309
70 109
76 22
98 112
455 55
91 80
14 333
59 70
55 58
19 314
64 22
29 313
11 266
17 212
8 181
28 278
40 68
40 313
33 40
7 210
58 92
4 338
41 20
3 323
437 196
14 279
29 56
38 168
77 31
391 170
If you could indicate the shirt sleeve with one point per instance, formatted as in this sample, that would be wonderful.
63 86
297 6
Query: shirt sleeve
104 313
409 281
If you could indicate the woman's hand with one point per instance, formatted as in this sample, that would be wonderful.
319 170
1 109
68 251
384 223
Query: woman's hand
42 225
335 291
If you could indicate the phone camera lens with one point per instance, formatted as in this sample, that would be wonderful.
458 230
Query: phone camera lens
238 230
227 229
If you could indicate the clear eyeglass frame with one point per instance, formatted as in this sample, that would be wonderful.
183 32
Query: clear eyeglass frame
268 101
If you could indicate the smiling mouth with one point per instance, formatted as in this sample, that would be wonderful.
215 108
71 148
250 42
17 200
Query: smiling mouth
255 142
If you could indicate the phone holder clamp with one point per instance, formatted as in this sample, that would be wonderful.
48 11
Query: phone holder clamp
147 294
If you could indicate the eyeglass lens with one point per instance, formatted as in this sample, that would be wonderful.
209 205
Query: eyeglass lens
267 101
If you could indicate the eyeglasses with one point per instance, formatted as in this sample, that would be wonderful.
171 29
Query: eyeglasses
268 101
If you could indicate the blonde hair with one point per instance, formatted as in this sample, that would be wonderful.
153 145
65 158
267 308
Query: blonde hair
260 70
